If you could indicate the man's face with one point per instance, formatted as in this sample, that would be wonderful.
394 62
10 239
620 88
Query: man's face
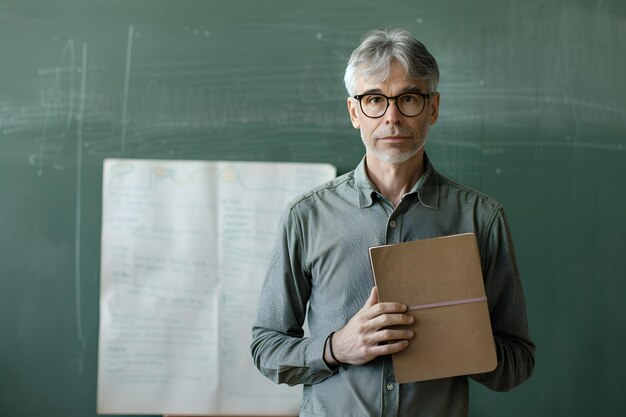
394 138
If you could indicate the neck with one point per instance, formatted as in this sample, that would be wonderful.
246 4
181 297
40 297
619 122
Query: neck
395 180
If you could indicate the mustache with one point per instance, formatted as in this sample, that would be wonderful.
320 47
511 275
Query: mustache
393 131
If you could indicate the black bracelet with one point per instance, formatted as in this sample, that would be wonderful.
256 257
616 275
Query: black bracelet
332 354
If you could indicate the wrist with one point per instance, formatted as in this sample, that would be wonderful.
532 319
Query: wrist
328 358
329 353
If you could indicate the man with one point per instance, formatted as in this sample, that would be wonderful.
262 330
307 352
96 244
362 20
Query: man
321 256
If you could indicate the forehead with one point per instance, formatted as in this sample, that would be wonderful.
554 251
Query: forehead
396 81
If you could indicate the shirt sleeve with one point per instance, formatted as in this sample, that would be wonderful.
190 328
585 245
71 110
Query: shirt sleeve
507 308
279 348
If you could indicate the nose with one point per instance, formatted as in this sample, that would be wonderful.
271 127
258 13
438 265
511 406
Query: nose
393 115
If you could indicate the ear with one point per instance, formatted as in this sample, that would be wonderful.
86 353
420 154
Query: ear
353 112
434 108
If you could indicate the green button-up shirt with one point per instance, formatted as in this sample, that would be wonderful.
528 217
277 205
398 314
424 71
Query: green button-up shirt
320 270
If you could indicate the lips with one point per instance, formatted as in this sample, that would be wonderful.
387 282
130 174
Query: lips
394 138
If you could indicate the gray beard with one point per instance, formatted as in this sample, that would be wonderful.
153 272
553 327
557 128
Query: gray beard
391 157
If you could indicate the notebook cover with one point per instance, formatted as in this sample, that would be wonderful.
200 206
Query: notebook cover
450 339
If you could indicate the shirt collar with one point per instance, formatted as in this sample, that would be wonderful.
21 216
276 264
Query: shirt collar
364 187
427 187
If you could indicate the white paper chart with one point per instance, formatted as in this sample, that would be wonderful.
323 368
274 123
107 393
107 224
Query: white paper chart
185 245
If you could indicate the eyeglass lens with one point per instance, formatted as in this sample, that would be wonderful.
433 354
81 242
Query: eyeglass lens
375 105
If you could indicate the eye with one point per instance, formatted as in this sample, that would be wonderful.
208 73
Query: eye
409 98
374 99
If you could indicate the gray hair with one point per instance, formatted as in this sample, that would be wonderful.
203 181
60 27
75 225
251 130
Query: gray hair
380 47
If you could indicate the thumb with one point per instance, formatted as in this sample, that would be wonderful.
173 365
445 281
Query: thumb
373 298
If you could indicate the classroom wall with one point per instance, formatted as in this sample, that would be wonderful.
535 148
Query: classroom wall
533 103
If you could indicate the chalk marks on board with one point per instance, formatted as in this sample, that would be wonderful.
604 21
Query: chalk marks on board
197 31
57 98
161 106
78 201
124 121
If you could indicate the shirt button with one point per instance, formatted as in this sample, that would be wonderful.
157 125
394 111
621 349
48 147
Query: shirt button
392 224
389 386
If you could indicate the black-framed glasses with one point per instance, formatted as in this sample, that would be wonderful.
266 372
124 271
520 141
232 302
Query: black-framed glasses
409 104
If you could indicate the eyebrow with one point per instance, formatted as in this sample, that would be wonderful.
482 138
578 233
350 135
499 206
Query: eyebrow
405 90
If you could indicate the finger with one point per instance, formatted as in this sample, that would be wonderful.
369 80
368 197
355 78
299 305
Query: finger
382 309
389 348
390 319
372 300
387 335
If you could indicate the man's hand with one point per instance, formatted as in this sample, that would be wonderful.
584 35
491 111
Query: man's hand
367 336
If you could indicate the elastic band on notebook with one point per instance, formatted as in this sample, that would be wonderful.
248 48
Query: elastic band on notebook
448 303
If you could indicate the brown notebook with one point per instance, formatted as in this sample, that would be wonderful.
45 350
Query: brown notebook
441 281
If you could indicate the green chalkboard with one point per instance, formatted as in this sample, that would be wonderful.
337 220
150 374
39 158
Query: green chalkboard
533 112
